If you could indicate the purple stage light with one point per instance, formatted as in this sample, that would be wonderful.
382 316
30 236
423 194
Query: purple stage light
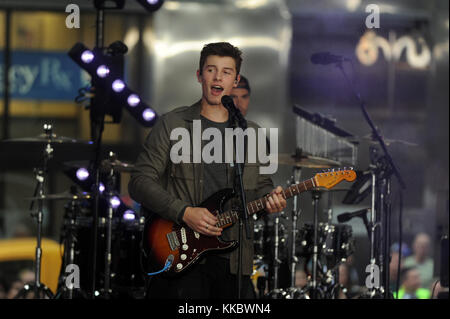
133 100
148 114
82 174
101 188
102 71
87 56
129 215
114 201
118 86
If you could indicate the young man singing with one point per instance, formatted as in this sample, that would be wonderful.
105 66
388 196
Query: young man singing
173 190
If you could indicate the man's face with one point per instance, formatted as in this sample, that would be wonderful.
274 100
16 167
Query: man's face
241 99
412 281
218 78
421 246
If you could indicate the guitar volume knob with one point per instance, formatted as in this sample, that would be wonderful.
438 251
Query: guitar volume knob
179 266
184 247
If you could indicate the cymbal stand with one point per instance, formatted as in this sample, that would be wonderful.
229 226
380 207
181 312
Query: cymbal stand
66 291
316 196
277 260
111 186
295 214
40 173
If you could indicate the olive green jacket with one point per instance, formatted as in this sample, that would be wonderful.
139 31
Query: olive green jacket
166 188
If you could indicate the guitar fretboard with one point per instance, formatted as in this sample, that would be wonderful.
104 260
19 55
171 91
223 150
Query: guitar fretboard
230 217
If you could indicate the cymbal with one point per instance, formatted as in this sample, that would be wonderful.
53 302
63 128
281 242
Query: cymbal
28 152
306 161
44 138
117 165
61 196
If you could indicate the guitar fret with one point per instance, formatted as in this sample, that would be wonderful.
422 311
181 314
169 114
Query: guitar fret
261 204
253 209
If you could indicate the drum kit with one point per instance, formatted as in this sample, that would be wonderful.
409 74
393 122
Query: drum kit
119 228
319 247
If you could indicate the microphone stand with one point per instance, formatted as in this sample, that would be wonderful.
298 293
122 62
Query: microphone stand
238 120
386 184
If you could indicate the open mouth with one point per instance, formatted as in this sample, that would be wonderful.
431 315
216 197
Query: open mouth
216 89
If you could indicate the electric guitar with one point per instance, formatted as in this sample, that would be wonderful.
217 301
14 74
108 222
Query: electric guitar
166 240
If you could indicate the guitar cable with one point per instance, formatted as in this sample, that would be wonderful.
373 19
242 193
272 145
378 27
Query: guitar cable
169 262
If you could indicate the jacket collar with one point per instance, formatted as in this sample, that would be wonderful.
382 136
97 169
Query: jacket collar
192 112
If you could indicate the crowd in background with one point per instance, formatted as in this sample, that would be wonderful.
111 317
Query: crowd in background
417 278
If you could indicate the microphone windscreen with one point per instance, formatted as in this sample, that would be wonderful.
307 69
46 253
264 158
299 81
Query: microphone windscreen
227 100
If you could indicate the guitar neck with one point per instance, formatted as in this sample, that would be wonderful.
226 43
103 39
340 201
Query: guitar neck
229 217
293 190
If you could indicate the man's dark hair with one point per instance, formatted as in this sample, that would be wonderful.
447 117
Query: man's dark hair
404 272
221 49
243 84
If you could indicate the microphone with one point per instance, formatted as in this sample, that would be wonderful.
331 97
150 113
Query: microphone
342 218
325 58
228 102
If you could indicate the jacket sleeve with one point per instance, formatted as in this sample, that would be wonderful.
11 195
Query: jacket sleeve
147 179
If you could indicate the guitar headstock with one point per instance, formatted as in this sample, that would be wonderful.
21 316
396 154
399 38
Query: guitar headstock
331 178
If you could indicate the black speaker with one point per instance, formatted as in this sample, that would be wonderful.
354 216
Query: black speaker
444 262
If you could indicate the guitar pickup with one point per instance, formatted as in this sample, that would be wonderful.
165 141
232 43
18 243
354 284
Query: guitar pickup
173 240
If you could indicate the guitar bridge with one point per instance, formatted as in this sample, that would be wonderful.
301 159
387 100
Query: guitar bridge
173 240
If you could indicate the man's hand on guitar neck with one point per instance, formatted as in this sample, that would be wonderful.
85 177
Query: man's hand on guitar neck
276 201
201 220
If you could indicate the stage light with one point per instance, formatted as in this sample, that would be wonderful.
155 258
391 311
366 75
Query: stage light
118 86
87 56
115 202
129 215
82 174
111 93
133 100
151 5
148 114
101 187
102 71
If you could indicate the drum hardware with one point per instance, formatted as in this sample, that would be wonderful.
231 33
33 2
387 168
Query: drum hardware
316 196
113 203
295 213
69 238
276 261
63 149
61 196
40 173
113 163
